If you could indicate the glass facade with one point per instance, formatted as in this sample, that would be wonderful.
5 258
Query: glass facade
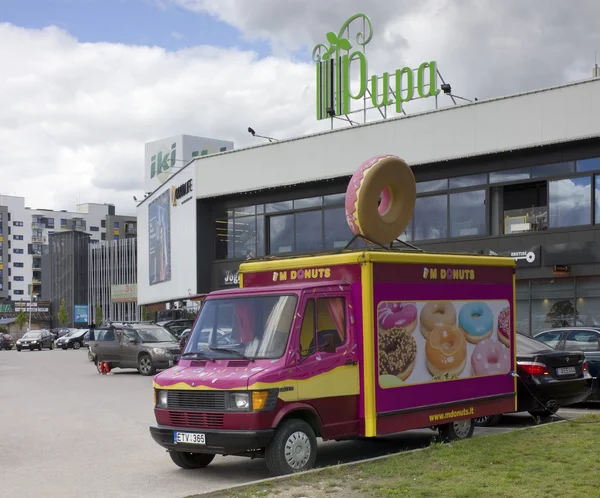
534 198
553 303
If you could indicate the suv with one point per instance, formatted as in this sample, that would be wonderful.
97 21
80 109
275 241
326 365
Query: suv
145 347
6 341
36 339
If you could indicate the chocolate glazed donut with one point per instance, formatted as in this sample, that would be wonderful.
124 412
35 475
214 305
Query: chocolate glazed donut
391 177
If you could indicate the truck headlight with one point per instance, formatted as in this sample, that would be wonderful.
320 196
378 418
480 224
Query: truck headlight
161 399
159 350
239 401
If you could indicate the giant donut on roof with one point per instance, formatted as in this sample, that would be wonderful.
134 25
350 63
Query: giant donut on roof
391 178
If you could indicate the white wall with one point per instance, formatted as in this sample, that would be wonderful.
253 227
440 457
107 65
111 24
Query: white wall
543 117
182 242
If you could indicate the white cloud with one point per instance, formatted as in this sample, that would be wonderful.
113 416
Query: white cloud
75 116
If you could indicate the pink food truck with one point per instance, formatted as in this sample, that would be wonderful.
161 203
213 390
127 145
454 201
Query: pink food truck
358 344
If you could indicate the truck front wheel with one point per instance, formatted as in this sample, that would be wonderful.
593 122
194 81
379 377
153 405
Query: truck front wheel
191 460
292 449
459 429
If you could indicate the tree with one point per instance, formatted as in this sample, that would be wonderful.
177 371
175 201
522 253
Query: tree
145 314
63 315
99 316
21 319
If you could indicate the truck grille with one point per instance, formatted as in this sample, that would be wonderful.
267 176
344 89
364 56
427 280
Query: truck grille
196 420
213 401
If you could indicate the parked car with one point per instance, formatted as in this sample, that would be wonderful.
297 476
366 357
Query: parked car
60 332
73 339
183 339
36 339
145 347
177 327
585 339
548 379
6 341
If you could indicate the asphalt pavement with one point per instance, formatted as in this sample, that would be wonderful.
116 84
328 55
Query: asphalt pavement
66 431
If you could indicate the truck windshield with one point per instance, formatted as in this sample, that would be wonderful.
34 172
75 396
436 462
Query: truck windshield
253 327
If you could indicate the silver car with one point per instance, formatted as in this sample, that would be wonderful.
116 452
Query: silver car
146 347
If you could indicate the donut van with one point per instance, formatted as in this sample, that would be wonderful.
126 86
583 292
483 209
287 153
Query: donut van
360 343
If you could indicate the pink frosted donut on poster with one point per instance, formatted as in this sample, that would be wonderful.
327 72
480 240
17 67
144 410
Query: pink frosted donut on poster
397 316
490 357
504 326
389 176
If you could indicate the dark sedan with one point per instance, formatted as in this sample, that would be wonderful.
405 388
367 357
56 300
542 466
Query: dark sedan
74 339
548 379
6 341
585 339
36 339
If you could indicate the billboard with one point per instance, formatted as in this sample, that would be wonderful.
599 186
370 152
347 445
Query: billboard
165 157
81 313
125 293
159 239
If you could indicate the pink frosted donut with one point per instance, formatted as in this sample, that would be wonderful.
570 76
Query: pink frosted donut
504 327
390 177
490 357
397 316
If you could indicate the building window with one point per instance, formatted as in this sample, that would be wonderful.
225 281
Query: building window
468 181
334 200
431 186
103 236
510 175
337 233
309 231
310 202
570 202
116 225
18 251
552 304
592 164
18 279
17 237
525 207
597 199
467 213
17 223
63 223
19 292
103 223
49 222
554 169
430 217
18 265
281 234
94 229
245 236
279 206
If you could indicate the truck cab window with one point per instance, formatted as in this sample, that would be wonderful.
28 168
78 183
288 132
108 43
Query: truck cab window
329 324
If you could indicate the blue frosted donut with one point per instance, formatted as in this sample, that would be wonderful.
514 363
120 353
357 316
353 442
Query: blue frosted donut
476 320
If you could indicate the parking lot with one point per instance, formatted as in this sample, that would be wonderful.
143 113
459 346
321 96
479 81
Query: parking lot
67 431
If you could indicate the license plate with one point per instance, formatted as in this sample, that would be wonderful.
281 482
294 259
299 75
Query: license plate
189 438
566 371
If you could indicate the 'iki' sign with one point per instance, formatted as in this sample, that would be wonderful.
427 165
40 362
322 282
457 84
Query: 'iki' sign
333 75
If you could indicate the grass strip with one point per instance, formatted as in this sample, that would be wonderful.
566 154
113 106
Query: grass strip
556 459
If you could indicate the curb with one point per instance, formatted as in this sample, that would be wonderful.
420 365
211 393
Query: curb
222 492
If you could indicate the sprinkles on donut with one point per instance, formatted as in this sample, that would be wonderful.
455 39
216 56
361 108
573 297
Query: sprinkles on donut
397 353
504 327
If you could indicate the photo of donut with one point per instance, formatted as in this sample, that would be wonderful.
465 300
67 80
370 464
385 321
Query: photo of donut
435 314
397 316
457 341
397 354
446 351
504 327
476 320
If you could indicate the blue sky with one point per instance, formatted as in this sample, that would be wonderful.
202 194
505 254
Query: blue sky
132 22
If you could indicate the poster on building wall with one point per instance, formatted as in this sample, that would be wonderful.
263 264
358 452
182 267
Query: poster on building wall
159 235
126 293
81 313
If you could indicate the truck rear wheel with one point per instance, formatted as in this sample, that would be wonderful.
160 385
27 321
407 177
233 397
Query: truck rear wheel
292 449
191 460
459 429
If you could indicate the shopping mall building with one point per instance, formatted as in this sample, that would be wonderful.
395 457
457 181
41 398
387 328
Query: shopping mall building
517 175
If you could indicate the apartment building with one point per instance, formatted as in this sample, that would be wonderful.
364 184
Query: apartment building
24 234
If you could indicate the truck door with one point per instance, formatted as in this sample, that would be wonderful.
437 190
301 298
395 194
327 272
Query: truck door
328 369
